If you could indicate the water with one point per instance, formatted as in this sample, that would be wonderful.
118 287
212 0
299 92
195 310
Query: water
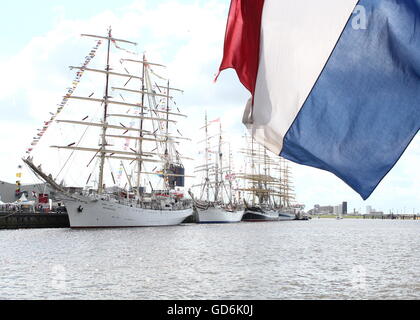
317 259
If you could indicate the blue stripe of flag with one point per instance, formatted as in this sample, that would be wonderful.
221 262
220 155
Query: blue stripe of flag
365 107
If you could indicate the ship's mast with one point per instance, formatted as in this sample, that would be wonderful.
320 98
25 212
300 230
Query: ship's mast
218 169
253 169
230 175
221 157
282 182
103 144
207 159
260 182
166 180
140 150
167 120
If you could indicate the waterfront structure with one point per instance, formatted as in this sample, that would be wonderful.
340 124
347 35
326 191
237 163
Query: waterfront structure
31 191
339 210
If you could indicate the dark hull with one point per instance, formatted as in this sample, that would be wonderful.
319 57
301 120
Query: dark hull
258 215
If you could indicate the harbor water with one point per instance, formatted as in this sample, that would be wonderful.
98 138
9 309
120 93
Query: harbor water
316 259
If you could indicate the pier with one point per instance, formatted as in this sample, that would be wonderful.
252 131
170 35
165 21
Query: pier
33 220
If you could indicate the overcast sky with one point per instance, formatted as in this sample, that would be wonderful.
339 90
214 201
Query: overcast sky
40 39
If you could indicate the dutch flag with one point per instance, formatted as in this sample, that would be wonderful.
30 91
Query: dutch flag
335 84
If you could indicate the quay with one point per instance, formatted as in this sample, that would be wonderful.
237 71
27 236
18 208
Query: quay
32 208
33 220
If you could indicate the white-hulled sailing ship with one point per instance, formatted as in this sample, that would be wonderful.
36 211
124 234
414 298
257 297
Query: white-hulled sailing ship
216 202
149 141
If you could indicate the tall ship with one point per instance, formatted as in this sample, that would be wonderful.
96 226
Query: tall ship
214 200
257 184
283 195
134 132
266 188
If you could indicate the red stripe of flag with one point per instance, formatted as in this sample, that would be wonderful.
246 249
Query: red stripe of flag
242 41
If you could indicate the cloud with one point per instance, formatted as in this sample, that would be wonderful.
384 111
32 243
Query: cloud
188 38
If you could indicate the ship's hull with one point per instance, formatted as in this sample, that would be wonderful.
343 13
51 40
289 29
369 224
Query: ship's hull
259 215
107 214
218 215
286 216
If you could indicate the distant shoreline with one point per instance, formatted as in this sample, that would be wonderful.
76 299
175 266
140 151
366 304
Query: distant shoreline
385 216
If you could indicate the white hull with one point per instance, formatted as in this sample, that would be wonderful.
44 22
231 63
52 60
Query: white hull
108 214
218 215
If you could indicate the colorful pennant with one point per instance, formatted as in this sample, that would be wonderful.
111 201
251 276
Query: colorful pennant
70 91
118 47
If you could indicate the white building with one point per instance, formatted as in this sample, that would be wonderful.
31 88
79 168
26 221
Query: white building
338 210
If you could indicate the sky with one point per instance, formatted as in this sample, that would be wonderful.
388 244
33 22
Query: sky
40 39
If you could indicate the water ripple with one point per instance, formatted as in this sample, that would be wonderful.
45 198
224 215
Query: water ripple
318 259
